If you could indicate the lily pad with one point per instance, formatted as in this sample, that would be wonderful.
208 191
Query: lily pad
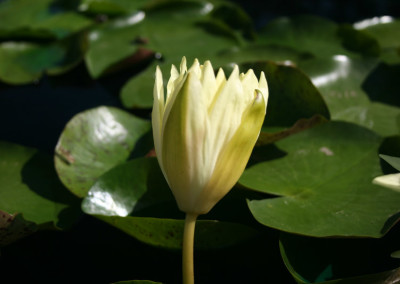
93 142
307 34
296 97
39 21
31 188
323 184
386 30
126 195
342 83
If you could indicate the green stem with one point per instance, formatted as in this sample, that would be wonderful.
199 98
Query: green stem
187 254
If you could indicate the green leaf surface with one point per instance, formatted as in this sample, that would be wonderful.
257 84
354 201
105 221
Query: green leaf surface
111 7
126 195
342 83
30 187
25 62
39 21
393 161
323 183
386 30
344 261
295 96
93 142
307 34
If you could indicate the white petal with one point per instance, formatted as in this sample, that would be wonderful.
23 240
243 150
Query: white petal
391 181
158 112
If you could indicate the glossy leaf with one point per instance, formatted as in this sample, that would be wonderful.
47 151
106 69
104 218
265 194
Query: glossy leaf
38 22
308 34
341 81
110 7
386 30
297 99
323 183
93 142
122 196
30 187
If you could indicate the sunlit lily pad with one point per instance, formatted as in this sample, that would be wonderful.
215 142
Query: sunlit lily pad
341 81
30 187
323 183
386 30
93 142
122 196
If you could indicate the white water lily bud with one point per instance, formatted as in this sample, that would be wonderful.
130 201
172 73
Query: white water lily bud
205 129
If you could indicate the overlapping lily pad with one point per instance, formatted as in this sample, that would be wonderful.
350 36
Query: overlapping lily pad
126 195
30 187
39 21
386 30
324 184
312 34
293 96
95 141
340 80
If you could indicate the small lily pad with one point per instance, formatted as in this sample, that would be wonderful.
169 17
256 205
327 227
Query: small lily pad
93 142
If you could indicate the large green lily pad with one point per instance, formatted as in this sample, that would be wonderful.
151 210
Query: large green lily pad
126 195
93 142
30 187
323 184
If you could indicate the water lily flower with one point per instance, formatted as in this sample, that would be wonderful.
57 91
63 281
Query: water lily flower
205 129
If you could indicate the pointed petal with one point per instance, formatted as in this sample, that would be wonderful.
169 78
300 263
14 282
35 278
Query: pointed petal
233 157
158 112
183 144
226 113
263 87
391 181
209 83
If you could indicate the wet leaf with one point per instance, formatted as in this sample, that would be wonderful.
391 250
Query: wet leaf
93 142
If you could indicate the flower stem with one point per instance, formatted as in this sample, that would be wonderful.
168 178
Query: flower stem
187 254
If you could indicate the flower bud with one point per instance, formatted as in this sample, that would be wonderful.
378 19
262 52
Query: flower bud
205 129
